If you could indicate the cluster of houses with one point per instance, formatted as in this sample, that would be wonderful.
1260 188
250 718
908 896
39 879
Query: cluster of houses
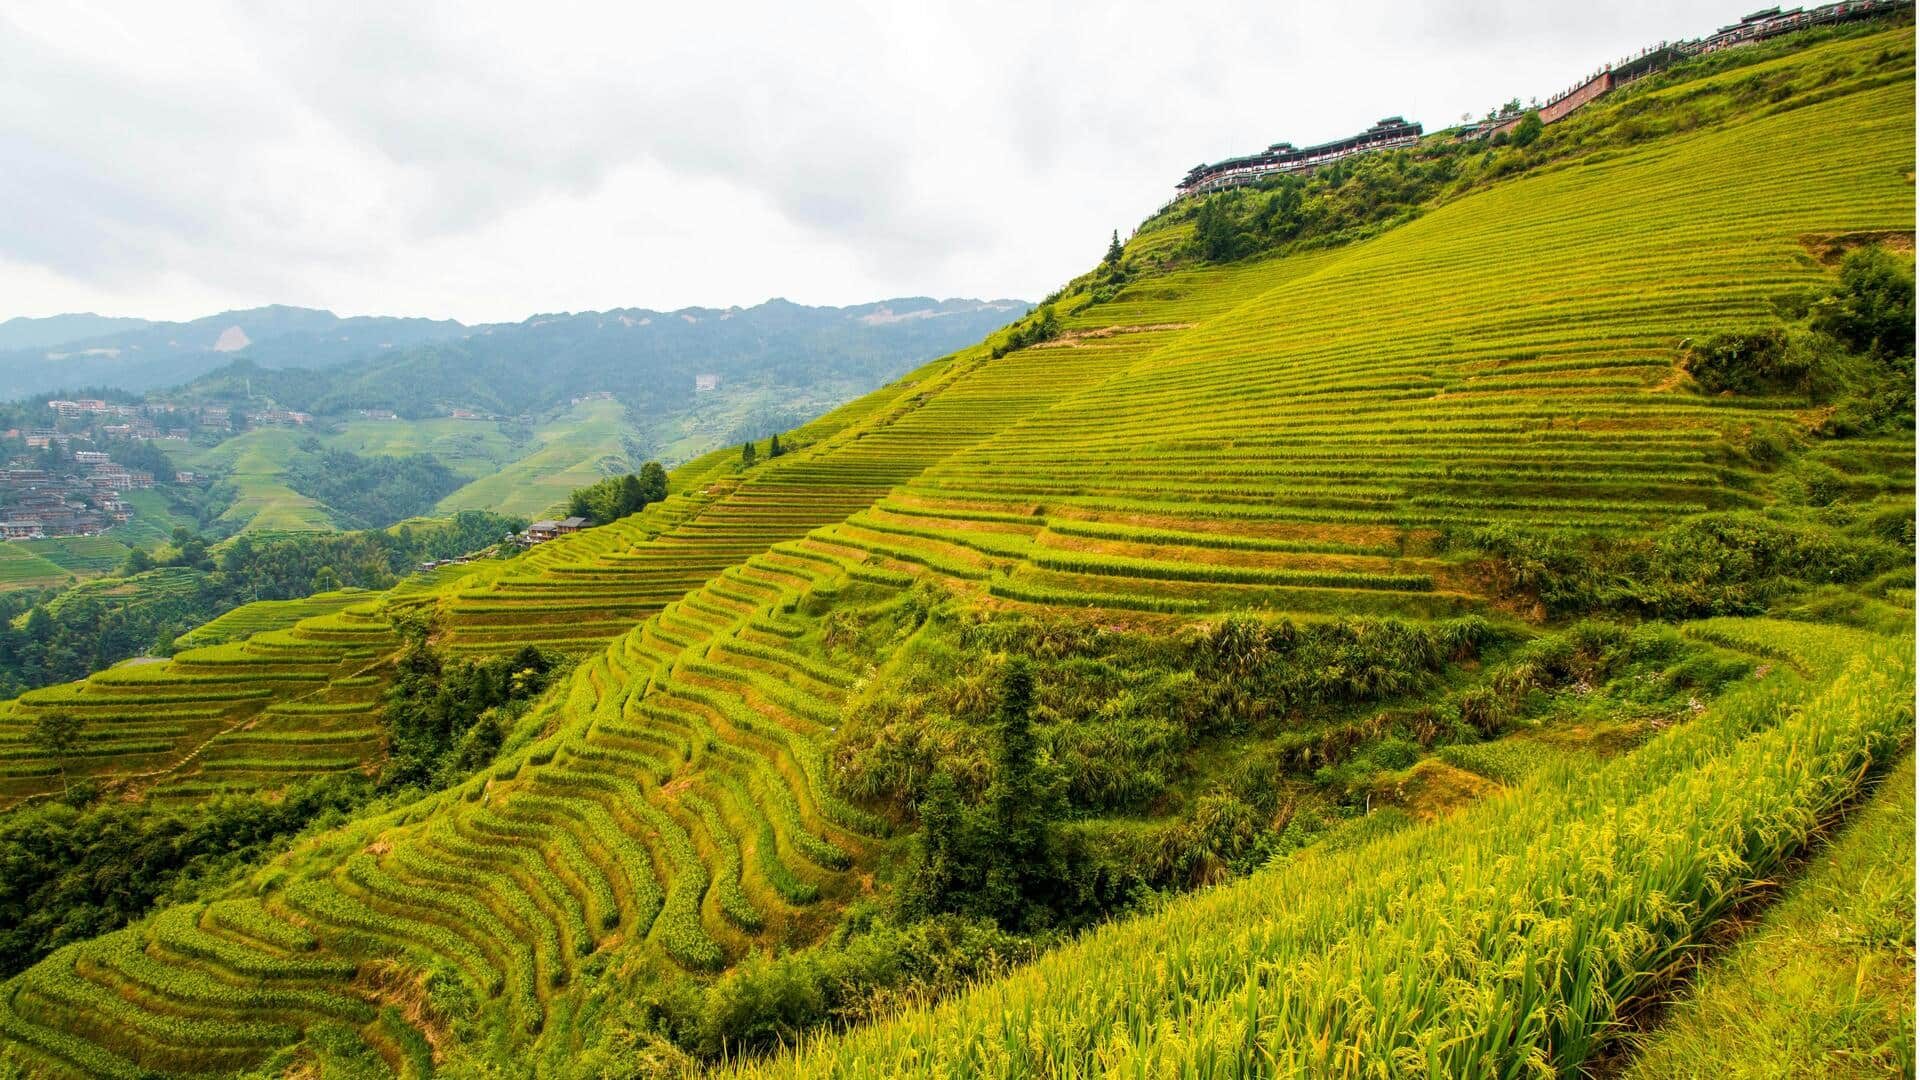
161 419
151 420
457 560
38 504
1759 26
278 418
1395 132
542 531
537 533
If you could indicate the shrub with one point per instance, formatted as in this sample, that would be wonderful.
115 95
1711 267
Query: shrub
1746 362
1528 130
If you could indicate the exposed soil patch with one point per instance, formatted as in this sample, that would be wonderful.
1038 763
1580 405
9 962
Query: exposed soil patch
1830 248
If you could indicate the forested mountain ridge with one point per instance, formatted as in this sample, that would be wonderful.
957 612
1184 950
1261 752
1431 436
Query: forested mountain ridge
157 354
24 332
1527 556
651 360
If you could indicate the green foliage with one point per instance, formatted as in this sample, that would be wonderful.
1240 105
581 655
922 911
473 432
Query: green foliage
1527 131
1715 564
1335 205
74 873
1042 325
67 637
1749 362
1004 860
372 492
1872 309
617 496
444 720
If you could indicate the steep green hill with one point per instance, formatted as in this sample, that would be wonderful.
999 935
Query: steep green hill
1268 570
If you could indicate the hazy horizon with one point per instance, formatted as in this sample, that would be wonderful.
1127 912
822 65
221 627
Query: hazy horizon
457 162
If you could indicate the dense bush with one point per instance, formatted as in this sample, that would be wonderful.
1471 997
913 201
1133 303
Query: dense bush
1747 362
869 967
443 720
1042 325
1851 345
617 496
372 492
1714 564
1871 311
69 874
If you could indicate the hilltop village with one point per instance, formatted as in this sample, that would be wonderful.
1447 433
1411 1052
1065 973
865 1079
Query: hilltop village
70 477
1503 122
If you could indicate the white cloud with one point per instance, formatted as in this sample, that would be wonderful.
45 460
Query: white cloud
483 161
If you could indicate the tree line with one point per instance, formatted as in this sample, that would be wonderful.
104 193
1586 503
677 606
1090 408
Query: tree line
43 642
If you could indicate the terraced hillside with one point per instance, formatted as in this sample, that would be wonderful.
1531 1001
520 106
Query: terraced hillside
1299 435
1499 941
262 615
1511 357
284 703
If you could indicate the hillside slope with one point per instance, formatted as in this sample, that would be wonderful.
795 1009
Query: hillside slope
1310 435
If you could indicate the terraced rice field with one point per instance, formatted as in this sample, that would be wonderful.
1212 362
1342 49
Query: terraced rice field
582 591
158 585
83 556
573 450
21 568
285 704
255 463
262 615
1359 404
1495 943
1291 435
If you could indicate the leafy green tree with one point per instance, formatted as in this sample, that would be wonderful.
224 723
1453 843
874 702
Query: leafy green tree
445 719
1528 130
1216 231
1019 807
56 733
653 481
617 496
1872 310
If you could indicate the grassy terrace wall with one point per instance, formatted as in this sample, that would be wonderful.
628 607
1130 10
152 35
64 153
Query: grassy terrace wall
1288 435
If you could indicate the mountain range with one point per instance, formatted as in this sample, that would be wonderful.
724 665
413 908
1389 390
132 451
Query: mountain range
506 366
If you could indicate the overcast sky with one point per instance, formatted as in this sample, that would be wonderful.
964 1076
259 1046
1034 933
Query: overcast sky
485 162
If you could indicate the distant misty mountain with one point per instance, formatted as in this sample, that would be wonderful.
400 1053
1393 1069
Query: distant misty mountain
26 333
653 361
73 351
